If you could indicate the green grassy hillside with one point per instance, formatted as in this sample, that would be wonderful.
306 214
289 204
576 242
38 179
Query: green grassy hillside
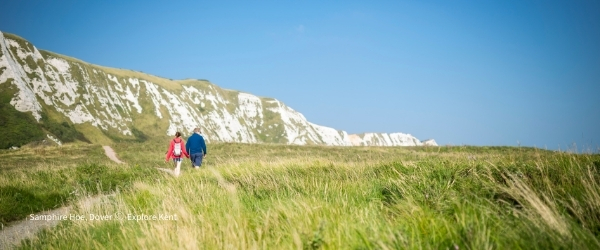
19 128
266 196
99 80
76 101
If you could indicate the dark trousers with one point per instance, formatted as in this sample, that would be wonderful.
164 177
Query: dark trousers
197 159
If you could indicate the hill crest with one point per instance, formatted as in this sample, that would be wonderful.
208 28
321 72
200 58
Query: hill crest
104 104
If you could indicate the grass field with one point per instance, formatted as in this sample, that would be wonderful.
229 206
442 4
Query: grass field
264 196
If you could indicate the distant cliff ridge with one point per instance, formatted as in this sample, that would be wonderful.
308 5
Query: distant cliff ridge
385 139
66 96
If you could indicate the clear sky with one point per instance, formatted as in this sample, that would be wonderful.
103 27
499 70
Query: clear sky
460 72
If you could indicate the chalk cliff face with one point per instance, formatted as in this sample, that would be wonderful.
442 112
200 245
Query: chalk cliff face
385 139
114 103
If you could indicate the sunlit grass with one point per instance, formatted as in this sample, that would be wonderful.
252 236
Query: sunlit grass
263 196
39 178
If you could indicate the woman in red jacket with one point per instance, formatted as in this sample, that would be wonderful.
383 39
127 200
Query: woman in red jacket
177 152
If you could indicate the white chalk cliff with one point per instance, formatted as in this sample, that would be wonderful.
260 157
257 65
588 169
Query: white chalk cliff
118 101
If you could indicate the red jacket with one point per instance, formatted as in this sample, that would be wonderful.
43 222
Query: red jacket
172 146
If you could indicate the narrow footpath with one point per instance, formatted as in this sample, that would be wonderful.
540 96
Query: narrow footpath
11 236
111 154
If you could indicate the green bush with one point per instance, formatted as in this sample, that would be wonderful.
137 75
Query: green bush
18 128
64 131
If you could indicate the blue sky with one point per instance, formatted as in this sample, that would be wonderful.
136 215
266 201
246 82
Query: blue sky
460 72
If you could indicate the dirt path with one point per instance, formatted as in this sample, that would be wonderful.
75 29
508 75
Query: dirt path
11 236
111 154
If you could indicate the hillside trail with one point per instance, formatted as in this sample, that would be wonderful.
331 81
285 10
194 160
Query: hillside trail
111 154
12 235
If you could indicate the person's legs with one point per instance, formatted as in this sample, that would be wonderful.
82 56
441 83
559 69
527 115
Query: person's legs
200 157
193 159
177 170
197 161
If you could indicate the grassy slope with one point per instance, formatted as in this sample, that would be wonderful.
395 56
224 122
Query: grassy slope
54 118
274 196
145 122
16 125
38 178
20 128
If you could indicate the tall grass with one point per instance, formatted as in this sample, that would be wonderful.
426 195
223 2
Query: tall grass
281 197
40 178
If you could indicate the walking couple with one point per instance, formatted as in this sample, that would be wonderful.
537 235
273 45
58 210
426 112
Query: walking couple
195 149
